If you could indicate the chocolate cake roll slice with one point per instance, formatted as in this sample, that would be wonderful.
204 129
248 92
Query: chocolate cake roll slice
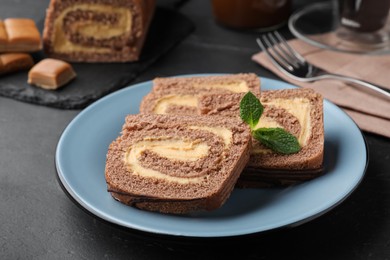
176 164
97 30
180 95
300 112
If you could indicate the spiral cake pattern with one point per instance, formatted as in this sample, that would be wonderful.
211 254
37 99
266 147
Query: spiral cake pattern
180 95
97 30
176 164
298 111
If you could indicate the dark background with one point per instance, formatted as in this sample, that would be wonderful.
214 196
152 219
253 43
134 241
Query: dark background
38 221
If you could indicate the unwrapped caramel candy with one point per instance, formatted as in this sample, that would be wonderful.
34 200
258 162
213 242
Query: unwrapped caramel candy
19 35
11 62
51 74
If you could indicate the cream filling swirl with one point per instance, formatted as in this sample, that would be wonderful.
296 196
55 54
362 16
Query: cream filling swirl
89 28
300 108
182 149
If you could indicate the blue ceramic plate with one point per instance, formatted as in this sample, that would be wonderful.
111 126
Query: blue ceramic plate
81 155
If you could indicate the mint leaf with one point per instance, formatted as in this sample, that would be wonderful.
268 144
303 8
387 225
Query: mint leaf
277 139
250 109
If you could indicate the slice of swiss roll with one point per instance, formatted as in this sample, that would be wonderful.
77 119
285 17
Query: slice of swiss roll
97 30
177 164
300 112
179 95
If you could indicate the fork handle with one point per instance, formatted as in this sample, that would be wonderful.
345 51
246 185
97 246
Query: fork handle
365 84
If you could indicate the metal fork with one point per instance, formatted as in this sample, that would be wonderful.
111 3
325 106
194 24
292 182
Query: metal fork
292 64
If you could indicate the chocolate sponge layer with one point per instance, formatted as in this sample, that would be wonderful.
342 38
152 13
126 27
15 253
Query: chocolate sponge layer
193 86
215 174
72 15
270 168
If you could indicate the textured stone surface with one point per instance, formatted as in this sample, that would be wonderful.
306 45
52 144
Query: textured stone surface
95 80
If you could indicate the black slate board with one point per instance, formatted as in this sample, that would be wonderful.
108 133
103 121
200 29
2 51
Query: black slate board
94 80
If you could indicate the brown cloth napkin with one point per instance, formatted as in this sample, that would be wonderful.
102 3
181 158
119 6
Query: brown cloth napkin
370 112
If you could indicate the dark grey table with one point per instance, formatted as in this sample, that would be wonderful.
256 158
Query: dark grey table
39 221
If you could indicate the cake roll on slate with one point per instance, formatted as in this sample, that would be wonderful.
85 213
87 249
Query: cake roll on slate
298 111
97 30
177 164
180 95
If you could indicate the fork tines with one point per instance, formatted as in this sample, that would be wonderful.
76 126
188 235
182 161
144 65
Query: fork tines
279 51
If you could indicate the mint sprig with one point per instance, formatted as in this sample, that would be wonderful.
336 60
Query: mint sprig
251 109
277 139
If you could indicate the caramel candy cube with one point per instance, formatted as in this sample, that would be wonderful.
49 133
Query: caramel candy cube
22 31
51 74
11 62
19 35
3 34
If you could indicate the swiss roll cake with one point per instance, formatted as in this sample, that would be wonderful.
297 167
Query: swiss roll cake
180 95
97 30
177 164
298 111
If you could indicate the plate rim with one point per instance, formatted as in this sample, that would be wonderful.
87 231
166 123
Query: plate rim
80 203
